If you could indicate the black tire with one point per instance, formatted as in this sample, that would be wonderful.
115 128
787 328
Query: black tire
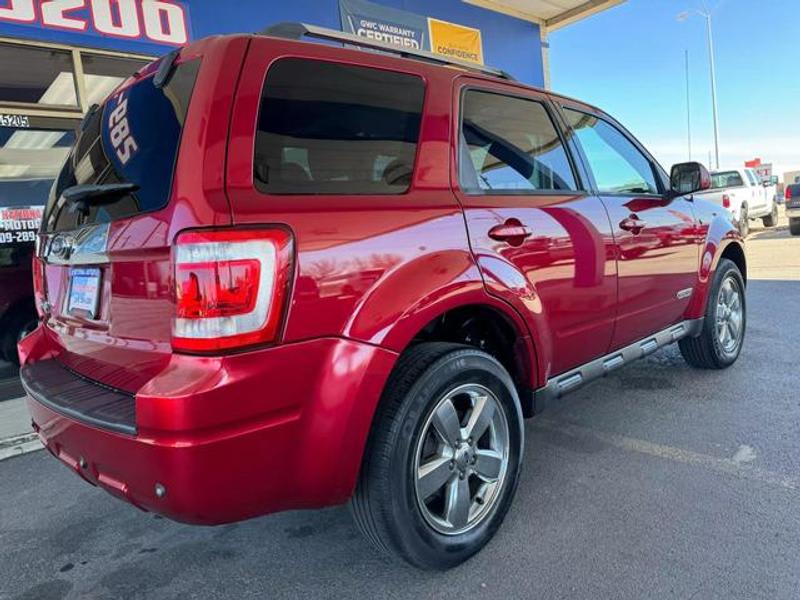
772 219
385 504
707 351
17 326
794 226
744 222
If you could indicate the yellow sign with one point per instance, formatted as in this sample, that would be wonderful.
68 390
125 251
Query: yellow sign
456 41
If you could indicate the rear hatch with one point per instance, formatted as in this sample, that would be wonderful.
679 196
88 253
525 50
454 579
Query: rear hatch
793 196
106 250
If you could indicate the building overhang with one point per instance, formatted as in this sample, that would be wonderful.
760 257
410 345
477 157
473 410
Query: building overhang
548 14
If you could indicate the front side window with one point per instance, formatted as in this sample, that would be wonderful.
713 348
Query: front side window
510 144
616 163
327 128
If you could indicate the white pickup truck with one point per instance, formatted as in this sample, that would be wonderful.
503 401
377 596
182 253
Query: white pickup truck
743 193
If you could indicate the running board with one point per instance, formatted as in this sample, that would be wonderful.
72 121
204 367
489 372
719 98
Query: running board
577 378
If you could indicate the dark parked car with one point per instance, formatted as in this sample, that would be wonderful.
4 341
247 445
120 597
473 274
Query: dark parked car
280 275
18 227
792 196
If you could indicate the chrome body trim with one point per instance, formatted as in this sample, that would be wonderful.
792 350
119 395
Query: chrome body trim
560 385
84 246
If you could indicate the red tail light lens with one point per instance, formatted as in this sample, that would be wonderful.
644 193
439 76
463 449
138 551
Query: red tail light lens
788 193
726 201
38 284
217 289
230 288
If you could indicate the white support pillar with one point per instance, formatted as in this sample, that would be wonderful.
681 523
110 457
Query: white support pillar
545 55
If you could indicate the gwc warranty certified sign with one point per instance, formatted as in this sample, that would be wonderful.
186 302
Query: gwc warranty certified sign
19 225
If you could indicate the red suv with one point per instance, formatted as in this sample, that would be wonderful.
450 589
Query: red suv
277 274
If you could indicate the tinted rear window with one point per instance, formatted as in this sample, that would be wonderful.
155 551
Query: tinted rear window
726 179
133 138
326 128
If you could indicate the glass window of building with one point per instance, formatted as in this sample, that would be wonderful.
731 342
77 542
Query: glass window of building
37 76
104 73
32 151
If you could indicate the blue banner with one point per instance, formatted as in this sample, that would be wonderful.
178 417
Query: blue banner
385 24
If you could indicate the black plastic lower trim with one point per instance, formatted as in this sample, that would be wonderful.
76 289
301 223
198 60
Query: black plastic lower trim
53 385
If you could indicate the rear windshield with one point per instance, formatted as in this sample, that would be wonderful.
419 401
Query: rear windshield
327 128
133 138
726 179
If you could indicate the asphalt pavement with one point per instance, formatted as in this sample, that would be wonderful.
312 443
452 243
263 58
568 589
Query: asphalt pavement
657 482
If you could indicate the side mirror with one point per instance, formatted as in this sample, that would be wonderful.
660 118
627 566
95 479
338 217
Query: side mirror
690 177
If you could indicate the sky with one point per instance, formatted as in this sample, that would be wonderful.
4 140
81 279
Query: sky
630 61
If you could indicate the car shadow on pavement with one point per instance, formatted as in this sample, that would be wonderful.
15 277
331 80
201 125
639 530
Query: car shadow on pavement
774 233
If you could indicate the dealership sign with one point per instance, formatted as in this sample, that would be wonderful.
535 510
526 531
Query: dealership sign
410 30
156 21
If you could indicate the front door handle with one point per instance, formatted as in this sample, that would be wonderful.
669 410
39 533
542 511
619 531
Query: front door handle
633 224
513 232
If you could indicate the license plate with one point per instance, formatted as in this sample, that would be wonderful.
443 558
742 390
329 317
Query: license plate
84 292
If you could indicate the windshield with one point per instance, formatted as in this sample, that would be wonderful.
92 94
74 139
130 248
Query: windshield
726 179
133 138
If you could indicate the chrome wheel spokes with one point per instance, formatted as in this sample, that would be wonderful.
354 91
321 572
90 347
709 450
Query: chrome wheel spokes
462 459
730 316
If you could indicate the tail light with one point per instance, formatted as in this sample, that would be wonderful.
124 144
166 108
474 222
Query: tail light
726 201
788 194
39 295
230 288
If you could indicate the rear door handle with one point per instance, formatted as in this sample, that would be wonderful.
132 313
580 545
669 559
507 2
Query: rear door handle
513 232
633 224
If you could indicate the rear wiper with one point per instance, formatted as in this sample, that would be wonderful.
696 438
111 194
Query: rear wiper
82 197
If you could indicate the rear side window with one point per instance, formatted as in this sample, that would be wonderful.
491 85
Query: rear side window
510 144
133 138
726 179
327 128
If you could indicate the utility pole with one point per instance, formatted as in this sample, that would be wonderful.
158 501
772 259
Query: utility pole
688 108
707 14
713 85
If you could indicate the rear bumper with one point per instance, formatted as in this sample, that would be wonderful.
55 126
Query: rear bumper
224 439
793 213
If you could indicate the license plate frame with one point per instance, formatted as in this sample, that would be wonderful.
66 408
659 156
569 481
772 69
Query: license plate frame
83 299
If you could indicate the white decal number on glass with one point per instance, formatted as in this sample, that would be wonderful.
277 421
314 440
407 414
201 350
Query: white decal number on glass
120 131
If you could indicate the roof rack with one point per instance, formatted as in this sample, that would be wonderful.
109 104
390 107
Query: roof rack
298 31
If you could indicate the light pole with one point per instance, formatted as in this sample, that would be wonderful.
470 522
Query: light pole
688 108
712 68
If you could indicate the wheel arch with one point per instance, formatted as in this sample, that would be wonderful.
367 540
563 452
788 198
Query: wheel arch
734 251
722 240
489 326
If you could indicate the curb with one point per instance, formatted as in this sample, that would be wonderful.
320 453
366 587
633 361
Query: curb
17 446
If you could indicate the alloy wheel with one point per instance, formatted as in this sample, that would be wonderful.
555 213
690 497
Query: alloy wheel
462 459
730 316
